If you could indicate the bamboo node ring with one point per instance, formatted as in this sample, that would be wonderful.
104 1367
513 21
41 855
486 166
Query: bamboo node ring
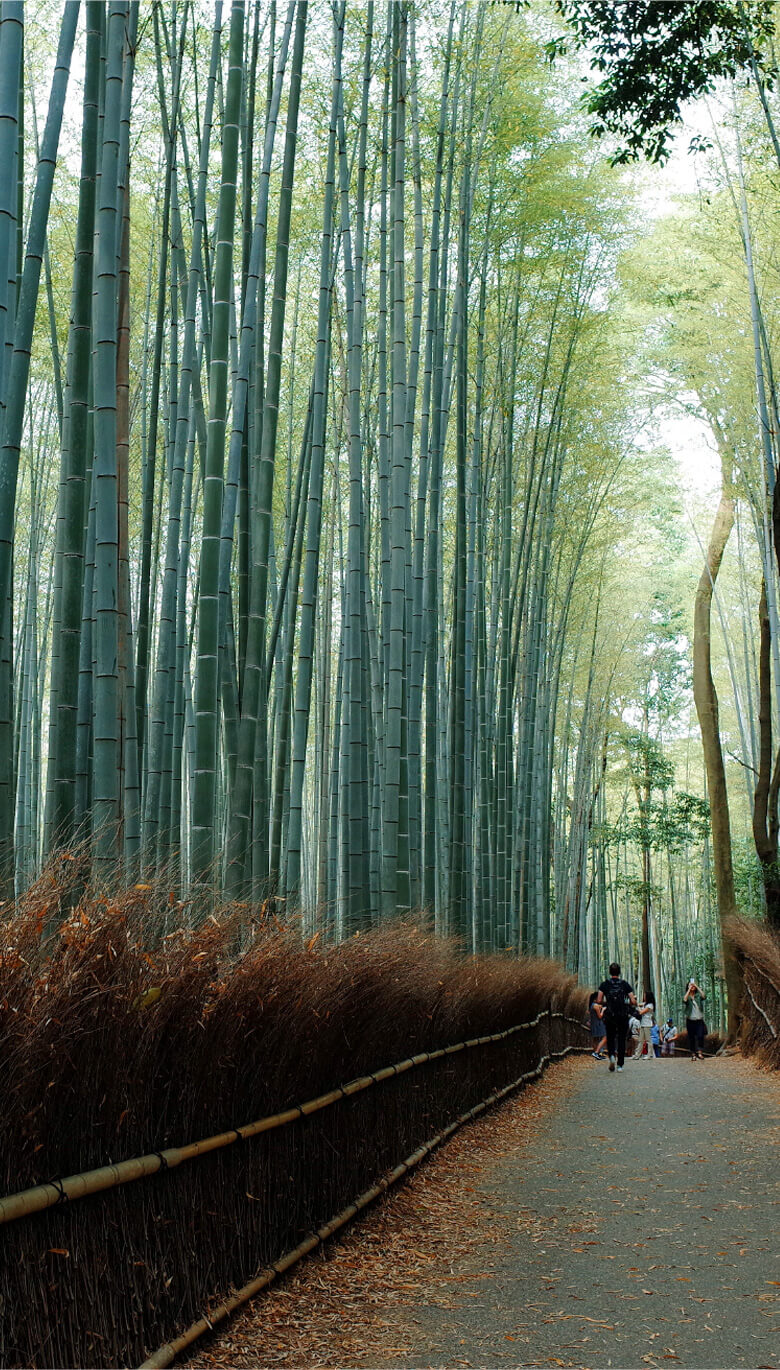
62 1195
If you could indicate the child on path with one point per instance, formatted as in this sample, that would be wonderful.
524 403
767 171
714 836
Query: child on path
617 996
669 1037
633 1034
597 1029
655 1038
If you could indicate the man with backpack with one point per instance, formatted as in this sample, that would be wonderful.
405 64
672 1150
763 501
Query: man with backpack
617 996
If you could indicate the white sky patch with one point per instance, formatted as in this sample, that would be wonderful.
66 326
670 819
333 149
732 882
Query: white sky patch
687 437
659 185
690 442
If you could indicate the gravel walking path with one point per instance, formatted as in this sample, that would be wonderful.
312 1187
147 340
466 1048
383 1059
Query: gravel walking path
598 1220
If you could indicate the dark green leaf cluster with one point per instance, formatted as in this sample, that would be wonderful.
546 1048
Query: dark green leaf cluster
639 890
665 825
647 762
686 818
656 55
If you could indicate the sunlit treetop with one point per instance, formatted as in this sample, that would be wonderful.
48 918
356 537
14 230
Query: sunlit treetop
654 56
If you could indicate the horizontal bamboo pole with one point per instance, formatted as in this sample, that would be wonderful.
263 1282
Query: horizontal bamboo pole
166 1354
73 1187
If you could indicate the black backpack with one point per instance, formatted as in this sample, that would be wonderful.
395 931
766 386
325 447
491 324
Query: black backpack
616 998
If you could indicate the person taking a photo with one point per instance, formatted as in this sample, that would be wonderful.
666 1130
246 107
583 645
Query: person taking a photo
694 1019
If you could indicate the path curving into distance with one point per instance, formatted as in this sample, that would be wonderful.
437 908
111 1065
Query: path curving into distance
596 1220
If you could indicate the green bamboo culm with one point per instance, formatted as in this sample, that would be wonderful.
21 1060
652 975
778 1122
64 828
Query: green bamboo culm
395 844
247 687
106 701
16 387
306 637
11 56
204 795
16 367
355 854
75 458
166 663
253 731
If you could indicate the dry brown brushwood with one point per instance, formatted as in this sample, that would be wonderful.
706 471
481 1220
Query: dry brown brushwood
758 951
115 1042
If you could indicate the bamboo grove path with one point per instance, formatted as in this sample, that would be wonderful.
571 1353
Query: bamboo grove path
595 1220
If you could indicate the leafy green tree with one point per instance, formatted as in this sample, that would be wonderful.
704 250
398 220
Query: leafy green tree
654 56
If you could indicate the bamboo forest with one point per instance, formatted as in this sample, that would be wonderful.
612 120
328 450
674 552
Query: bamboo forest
389 589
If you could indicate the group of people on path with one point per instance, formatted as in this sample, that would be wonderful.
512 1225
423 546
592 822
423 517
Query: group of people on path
616 1015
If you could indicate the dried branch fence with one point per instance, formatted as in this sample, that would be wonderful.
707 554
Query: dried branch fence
110 1265
758 951
121 1266
756 979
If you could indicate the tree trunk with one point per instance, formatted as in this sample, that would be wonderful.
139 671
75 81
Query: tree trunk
204 796
765 829
706 701
647 979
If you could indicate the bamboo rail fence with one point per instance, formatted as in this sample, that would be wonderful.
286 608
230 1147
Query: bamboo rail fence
65 1302
35 1199
166 1354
